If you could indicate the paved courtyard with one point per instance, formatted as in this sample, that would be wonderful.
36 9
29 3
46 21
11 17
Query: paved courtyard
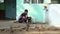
9 27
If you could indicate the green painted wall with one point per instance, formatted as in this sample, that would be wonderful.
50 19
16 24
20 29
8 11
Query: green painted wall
36 11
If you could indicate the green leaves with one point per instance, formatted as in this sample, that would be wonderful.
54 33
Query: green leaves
2 6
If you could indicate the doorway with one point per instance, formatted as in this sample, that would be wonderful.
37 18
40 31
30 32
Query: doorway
2 14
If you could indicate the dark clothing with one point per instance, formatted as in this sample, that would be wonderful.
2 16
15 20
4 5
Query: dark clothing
23 17
23 14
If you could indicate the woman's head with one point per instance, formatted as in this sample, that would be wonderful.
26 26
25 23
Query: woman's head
26 11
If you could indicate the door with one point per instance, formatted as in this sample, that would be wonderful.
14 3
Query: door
2 14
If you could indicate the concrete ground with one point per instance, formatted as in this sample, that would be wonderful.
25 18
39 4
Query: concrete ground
16 28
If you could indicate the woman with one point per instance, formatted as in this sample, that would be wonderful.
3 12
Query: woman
23 16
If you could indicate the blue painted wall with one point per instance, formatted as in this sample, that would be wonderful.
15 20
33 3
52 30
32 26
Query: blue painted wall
10 9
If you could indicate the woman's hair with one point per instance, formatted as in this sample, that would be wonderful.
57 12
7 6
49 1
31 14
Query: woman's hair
26 10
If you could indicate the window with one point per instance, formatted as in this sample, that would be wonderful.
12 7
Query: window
33 1
27 1
55 1
40 1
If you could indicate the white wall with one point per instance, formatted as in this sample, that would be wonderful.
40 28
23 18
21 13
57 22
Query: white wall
54 15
